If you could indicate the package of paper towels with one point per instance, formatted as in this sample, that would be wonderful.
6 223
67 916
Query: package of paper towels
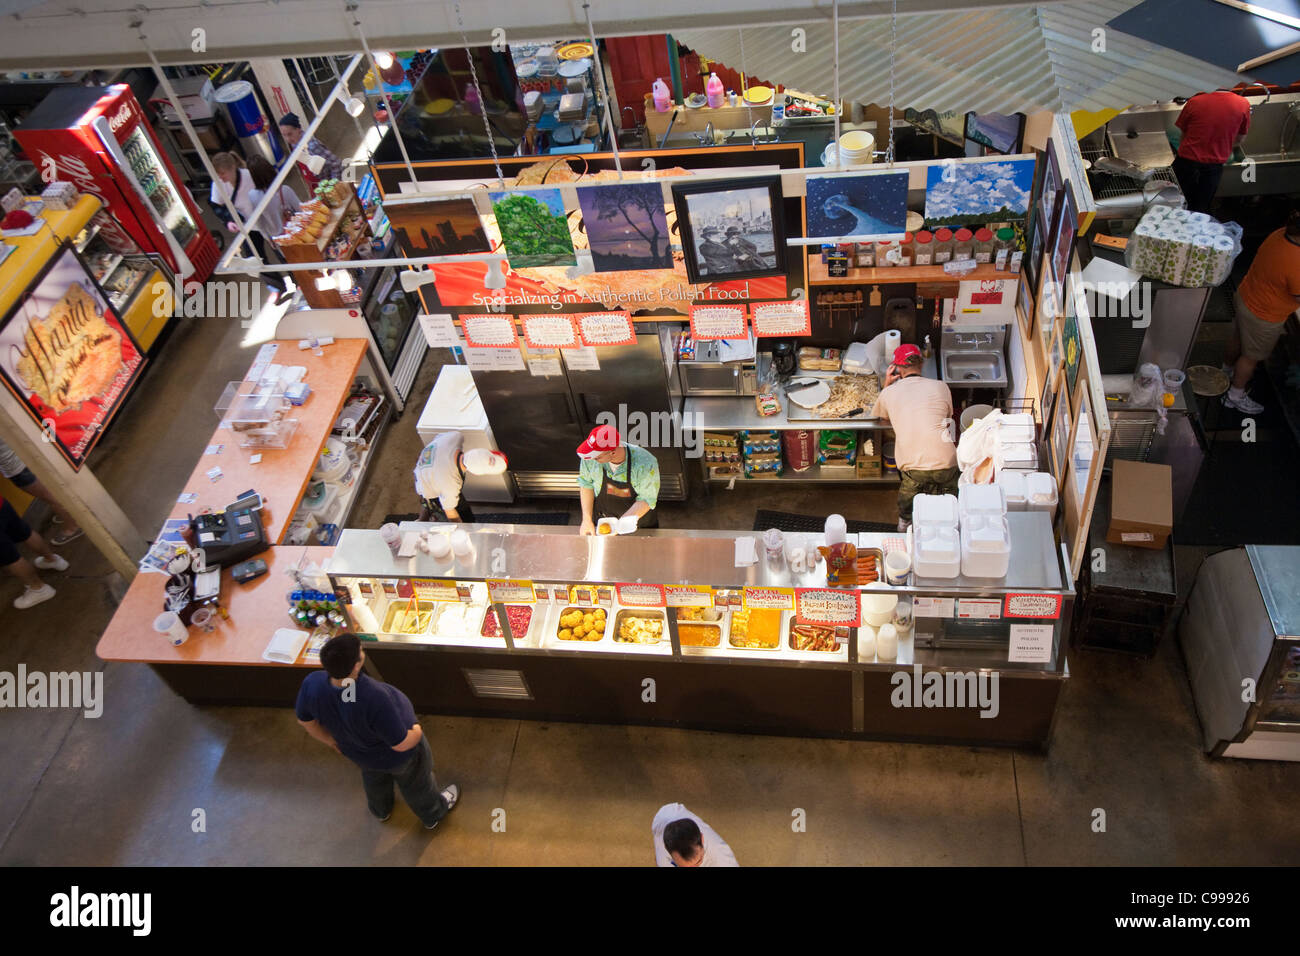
1188 249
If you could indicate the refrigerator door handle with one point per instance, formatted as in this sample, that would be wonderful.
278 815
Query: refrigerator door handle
105 133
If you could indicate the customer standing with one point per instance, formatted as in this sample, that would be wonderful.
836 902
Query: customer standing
291 130
683 839
925 447
12 467
284 203
372 724
1213 124
235 183
13 532
1266 297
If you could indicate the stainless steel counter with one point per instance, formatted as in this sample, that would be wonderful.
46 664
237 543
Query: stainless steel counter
561 554
733 414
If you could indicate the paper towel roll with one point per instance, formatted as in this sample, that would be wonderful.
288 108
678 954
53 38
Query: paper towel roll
893 339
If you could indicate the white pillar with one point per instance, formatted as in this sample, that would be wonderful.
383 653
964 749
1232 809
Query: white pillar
277 89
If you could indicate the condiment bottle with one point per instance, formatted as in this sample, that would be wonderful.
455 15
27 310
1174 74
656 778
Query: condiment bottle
924 248
983 246
962 245
942 246
905 250
1004 246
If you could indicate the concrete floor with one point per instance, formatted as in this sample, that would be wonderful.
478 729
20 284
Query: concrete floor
123 789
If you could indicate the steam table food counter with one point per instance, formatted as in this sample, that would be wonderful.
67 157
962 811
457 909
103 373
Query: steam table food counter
256 609
966 629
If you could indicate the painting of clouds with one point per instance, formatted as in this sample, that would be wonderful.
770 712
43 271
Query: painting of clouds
963 193
856 206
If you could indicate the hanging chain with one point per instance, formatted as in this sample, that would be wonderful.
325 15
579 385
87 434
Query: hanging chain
482 103
893 53
744 78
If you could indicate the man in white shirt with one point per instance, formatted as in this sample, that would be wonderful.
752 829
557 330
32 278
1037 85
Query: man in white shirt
683 839
440 474
925 445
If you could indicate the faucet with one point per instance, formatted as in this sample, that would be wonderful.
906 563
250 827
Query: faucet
706 138
1283 140
1263 86
753 137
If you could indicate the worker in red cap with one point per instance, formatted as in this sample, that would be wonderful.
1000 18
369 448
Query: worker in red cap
616 480
925 441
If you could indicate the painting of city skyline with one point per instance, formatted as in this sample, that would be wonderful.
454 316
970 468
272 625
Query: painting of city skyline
626 226
437 227
731 229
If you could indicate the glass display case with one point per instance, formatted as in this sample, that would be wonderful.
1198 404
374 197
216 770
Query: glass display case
523 600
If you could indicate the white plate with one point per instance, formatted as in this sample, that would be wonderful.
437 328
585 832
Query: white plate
810 397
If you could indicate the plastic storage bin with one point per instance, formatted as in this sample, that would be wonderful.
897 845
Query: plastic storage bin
980 500
1040 493
1014 491
1016 456
936 551
934 509
985 546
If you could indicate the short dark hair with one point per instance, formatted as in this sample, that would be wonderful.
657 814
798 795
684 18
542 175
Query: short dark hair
683 837
262 171
340 654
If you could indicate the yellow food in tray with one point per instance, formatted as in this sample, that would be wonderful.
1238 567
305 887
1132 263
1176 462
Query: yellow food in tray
582 624
403 618
709 614
699 635
640 630
756 627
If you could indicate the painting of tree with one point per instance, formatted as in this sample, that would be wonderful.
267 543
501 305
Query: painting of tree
626 226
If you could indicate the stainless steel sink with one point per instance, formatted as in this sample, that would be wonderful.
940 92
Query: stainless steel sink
984 369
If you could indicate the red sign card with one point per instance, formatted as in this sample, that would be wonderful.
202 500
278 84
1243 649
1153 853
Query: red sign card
1033 606
489 331
606 328
829 607
781 319
710 322
550 332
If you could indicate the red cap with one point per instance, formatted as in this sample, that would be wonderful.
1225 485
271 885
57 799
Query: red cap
603 438
905 353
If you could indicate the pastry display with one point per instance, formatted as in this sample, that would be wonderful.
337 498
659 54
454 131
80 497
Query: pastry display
582 624
756 628
640 630
73 354
699 635
847 393
520 616
813 637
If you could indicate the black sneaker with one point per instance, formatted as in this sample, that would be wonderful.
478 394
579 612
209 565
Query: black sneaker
451 795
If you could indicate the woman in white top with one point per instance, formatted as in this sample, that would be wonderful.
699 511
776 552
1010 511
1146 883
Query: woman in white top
235 182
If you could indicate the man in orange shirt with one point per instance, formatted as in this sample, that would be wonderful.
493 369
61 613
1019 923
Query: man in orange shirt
1266 297
1212 124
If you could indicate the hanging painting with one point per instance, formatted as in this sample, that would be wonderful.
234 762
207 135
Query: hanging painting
626 226
855 207
534 228
962 193
436 227
731 229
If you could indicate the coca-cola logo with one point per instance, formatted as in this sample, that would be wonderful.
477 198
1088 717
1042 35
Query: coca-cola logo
120 118
72 168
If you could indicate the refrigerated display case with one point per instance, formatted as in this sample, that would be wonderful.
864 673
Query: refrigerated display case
583 622
390 313
1240 633
133 282
98 139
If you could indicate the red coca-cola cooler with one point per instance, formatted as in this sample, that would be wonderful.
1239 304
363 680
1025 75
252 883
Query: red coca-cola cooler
98 139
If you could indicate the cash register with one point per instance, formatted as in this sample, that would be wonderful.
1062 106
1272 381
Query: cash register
233 535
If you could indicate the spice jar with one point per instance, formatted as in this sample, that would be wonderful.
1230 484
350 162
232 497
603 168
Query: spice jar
906 250
983 246
963 246
942 246
883 249
1004 244
924 248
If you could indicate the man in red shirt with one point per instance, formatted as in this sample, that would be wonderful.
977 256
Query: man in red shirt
1212 125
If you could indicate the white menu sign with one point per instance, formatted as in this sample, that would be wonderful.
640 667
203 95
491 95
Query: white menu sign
550 332
439 331
1030 643
494 360
582 359
781 318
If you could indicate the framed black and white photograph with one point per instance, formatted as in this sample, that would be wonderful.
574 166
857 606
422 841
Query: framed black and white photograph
731 229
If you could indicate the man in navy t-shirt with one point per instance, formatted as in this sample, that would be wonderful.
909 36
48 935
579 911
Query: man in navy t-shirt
372 724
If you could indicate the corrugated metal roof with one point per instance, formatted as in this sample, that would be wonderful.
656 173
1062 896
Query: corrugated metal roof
1002 60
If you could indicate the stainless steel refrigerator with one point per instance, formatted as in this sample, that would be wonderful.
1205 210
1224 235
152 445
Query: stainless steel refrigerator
539 420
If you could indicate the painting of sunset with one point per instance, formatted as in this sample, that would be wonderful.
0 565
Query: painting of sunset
626 226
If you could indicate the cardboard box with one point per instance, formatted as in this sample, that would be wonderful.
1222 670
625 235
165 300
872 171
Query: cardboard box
1141 504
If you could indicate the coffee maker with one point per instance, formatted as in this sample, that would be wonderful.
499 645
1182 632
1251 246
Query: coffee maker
784 359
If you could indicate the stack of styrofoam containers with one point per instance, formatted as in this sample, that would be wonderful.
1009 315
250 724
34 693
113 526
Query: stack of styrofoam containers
985 537
936 544
1040 493
1016 449
1014 490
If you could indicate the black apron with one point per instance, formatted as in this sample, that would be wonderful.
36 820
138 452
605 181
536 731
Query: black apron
463 509
614 497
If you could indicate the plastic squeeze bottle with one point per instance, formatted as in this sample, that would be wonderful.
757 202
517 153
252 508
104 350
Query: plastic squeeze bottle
713 91
661 97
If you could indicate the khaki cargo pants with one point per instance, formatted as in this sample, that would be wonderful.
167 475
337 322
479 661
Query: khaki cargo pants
942 482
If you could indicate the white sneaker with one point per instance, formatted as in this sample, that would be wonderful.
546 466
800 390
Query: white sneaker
33 596
1244 404
56 563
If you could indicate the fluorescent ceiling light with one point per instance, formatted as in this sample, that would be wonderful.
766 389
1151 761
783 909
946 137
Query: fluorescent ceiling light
355 106
383 60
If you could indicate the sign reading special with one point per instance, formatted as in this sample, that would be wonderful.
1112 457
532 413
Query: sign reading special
781 319
780 599
688 595
550 332
66 356
709 322
436 591
1033 606
640 595
606 328
829 607
510 591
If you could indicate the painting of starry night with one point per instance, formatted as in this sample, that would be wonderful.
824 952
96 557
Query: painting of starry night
849 207
957 194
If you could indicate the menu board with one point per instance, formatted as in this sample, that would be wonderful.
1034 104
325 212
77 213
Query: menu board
773 598
1030 643
781 319
979 609
510 591
551 332
1033 605
606 328
439 331
830 607
640 595
709 322
489 331
435 590
688 595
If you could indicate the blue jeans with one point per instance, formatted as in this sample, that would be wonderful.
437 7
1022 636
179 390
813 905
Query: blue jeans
415 779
